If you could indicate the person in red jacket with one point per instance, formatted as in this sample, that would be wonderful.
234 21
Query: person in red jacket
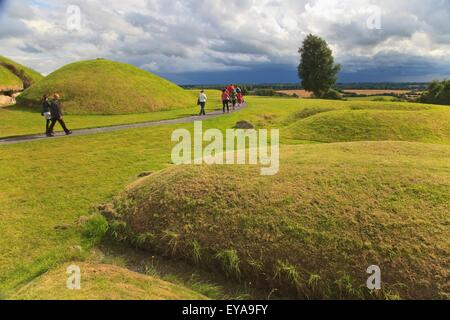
226 100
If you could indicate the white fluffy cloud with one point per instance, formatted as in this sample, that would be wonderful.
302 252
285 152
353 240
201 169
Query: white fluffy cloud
169 36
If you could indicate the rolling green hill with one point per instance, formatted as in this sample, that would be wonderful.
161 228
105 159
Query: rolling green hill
26 76
312 230
106 87
371 125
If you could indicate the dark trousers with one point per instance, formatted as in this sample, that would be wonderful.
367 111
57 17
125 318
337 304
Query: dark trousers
61 122
234 104
202 108
47 125
226 106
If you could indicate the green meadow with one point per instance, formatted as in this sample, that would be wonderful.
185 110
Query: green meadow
360 182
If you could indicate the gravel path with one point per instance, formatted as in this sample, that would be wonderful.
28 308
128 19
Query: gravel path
83 132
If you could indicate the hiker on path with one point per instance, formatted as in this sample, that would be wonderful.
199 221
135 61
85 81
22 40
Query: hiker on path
57 116
240 99
234 99
202 98
226 100
46 112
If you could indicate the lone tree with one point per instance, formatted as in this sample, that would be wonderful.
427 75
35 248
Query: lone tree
317 69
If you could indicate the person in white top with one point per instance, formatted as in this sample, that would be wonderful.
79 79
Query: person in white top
202 98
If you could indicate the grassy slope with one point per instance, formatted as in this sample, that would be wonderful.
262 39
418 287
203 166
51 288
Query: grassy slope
372 125
31 74
107 87
313 220
47 183
328 121
103 282
18 121
8 81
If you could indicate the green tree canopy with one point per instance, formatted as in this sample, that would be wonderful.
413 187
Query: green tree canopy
317 69
437 93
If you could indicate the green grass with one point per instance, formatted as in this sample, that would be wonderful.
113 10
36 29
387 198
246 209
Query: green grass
50 183
17 121
8 81
32 75
374 125
372 98
107 87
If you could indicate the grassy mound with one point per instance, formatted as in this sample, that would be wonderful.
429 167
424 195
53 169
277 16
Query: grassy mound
22 76
312 230
107 87
8 81
372 125
103 282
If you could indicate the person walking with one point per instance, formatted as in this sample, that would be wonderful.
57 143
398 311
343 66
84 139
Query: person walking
240 99
202 98
225 100
46 112
57 116
234 99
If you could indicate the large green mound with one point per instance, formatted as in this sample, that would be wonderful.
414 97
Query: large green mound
17 75
312 230
106 87
372 124
103 282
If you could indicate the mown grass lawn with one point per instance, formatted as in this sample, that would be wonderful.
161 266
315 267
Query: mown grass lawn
51 183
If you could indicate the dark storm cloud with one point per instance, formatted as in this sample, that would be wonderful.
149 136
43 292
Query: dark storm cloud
185 39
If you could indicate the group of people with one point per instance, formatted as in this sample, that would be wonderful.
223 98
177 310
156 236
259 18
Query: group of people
231 95
51 108
52 113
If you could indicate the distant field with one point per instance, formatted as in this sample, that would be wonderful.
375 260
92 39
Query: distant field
377 92
307 94
300 93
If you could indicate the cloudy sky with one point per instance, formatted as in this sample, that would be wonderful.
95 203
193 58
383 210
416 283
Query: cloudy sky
219 41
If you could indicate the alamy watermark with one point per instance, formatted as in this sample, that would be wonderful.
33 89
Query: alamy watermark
238 146
374 281
374 20
74 280
73 22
